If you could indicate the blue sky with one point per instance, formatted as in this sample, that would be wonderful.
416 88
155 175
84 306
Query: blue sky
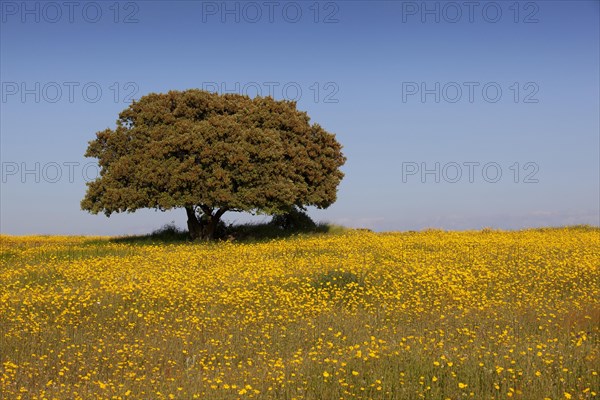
450 117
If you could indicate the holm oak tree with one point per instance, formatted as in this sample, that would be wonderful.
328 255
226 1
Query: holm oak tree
209 154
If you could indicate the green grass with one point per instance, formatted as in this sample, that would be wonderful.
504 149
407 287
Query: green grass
244 233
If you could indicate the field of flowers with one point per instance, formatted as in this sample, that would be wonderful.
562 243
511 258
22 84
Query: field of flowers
357 315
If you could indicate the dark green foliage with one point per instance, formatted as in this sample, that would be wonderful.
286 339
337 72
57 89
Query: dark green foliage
169 233
251 232
294 220
211 153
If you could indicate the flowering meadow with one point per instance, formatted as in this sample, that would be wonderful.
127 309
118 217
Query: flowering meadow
354 315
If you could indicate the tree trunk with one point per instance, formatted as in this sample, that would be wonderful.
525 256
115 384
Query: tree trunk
210 228
194 226
206 227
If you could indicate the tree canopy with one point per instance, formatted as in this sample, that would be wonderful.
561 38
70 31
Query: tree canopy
212 153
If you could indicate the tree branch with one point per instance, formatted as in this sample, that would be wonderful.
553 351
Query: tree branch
220 212
206 209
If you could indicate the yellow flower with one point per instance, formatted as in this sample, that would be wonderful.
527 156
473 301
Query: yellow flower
247 299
